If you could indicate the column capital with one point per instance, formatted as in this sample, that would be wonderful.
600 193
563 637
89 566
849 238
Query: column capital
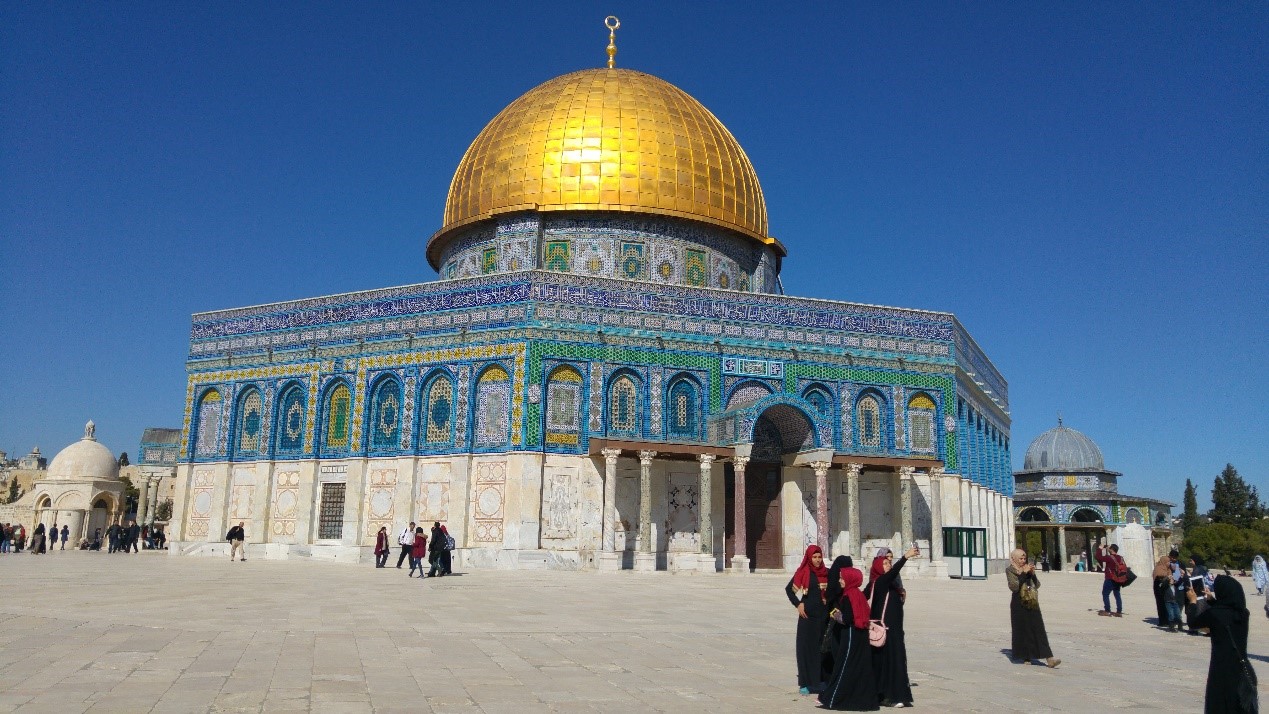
854 470
646 457
936 473
706 460
610 455
821 467
740 462
906 472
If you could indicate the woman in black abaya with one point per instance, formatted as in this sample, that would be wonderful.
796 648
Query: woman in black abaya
852 687
890 661
807 592
1228 619
1030 641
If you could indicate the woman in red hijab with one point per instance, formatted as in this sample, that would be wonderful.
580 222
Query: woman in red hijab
807 592
852 686
890 661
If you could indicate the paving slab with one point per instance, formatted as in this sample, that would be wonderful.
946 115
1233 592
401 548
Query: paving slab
167 634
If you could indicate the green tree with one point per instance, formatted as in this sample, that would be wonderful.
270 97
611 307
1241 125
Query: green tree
130 495
1221 545
14 492
163 512
1234 501
123 459
1190 516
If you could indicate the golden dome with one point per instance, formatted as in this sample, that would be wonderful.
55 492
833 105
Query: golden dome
607 140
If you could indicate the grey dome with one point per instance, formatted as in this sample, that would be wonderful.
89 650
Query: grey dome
1062 448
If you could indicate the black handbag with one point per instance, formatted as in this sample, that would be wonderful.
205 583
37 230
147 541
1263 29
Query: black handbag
1129 579
1248 699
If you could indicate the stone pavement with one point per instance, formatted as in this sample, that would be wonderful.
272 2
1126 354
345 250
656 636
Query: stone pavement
138 633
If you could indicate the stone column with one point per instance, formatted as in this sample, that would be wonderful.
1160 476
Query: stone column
1061 548
645 559
740 555
905 509
821 506
852 510
708 561
937 566
156 489
609 558
143 500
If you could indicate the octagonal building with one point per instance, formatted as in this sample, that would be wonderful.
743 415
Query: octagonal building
607 374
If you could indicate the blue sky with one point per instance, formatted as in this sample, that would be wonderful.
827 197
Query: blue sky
1086 187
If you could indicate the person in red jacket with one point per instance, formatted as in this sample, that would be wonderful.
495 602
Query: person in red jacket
419 553
382 549
1114 567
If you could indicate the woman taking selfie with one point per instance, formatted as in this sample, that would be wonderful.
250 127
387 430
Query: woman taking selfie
890 660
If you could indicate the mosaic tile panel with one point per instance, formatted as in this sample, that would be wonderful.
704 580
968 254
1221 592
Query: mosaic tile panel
493 408
631 261
563 407
488 502
209 410
438 419
558 256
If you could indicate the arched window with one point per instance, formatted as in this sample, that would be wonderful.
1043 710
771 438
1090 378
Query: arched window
385 415
563 407
684 409
493 408
818 400
623 406
291 420
1033 515
208 434
249 422
921 423
868 417
1133 515
438 418
337 423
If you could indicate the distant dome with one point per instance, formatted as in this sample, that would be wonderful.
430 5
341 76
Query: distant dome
84 460
1063 449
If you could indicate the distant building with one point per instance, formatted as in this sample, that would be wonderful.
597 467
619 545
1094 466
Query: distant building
155 471
1065 492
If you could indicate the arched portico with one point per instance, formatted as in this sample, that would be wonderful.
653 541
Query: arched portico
752 483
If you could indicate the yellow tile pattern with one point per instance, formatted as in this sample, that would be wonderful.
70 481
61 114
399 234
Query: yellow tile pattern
608 139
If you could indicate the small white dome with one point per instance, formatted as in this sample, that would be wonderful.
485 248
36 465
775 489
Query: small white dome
84 460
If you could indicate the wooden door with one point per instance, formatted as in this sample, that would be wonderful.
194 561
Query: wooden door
762 515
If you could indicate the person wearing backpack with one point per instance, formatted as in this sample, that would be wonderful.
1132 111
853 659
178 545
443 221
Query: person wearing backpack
1116 571
447 561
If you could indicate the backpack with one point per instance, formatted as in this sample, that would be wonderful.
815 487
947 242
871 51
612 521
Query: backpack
1119 571
449 542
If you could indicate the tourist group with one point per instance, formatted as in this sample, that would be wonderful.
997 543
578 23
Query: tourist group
850 641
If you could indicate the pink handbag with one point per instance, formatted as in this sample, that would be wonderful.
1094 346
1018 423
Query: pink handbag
877 628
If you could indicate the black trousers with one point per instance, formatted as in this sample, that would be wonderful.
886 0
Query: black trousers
381 559
405 553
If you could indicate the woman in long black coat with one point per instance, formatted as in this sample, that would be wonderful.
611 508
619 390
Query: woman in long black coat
1228 619
890 661
807 591
1030 640
852 686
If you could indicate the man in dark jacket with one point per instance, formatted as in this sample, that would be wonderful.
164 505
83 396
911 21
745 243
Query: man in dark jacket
112 534
236 536
435 547
134 535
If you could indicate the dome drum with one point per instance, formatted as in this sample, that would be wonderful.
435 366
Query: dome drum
618 245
